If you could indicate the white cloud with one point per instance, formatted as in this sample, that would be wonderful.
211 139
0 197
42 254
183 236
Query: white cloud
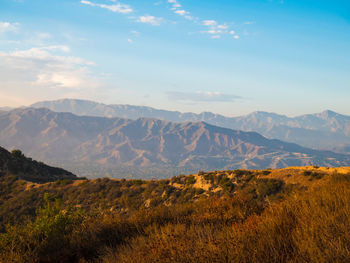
46 71
181 12
154 21
117 8
210 23
44 56
130 41
222 26
236 37
174 3
175 6
217 30
8 27
135 33
190 18
213 32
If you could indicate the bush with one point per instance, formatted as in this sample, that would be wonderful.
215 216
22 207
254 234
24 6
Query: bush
17 153
180 224
44 239
309 227
267 187
307 173
190 180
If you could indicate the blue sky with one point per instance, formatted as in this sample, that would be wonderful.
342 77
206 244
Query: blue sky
229 57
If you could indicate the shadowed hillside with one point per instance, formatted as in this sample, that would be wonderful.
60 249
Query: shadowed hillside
15 163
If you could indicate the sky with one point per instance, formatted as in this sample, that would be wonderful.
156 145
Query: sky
230 57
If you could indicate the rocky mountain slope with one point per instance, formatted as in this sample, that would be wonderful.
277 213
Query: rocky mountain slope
326 130
64 137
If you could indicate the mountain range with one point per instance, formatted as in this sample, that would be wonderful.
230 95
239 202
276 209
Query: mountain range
65 138
325 131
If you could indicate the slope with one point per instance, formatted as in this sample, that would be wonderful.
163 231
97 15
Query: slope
15 163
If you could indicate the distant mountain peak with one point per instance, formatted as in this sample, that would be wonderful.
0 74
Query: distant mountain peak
65 137
267 114
324 130
329 114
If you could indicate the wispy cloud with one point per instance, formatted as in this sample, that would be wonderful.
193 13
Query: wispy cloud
177 8
154 21
181 12
126 9
117 8
210 22
201 96
135 33
28 75
8 27
216 30
45 71
174 4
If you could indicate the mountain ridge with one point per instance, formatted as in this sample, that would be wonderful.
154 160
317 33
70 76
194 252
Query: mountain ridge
327 130
145 142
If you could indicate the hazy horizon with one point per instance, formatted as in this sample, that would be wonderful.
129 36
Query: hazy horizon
175 110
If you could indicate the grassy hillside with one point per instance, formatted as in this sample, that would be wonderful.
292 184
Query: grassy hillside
15 163
286 215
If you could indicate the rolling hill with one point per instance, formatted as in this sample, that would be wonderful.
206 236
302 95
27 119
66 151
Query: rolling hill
282 215
327 130
144 143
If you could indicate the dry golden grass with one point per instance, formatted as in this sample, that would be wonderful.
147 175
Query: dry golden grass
258 221
308 227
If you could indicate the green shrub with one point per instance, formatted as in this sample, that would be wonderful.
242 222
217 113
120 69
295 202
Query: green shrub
307 173
190 180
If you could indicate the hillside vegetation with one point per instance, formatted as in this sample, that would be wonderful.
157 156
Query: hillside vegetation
15 163
285 215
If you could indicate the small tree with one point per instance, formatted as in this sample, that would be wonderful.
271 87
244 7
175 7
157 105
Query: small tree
17 153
